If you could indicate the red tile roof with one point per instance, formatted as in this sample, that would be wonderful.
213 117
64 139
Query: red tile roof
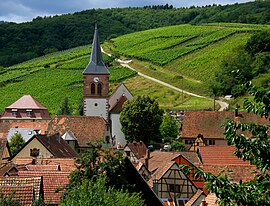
26 102
18 183
211 200
220 155
209 123
158 157
86 129
37 125
194 198
138 149
118 107
162 169
24 194
51 181
4 127
43 167
235 172
66 164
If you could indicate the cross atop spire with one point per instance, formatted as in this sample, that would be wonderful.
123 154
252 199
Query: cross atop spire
96 64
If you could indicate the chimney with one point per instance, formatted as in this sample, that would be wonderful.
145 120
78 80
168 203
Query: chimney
147 158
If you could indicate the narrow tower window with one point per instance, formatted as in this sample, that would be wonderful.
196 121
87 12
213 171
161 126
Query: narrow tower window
99 89
93 88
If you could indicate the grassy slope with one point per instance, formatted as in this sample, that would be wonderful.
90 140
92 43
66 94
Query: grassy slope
52 77
207 45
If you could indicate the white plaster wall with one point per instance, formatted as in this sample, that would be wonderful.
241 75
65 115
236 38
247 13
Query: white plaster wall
100 110
116 130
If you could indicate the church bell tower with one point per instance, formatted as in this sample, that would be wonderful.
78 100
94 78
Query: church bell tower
96 83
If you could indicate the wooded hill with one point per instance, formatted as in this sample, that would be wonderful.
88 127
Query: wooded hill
20 42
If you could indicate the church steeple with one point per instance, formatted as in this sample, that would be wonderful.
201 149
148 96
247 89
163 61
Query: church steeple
96 64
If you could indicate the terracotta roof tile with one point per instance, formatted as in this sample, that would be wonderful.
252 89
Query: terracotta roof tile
208 123
211 200
138 149
220 155
37 125
24 194
4 127
157 158
51 181
43 167
119 105
235 172
26 102
22 182
194 198
9 169
86 129
66 164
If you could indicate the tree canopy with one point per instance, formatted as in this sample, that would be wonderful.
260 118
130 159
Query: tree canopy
141 119
96 193
16 142
243 65
169 128
255 149
65 108
99 180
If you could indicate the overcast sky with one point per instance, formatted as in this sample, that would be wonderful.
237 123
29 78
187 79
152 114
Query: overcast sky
26 10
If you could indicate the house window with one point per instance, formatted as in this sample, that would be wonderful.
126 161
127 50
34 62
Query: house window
128 153
188 141
93 88
14 113
34 152
28 113
212 142
171 188
174 188
99 89
177 188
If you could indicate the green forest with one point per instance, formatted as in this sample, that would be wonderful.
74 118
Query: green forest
44 35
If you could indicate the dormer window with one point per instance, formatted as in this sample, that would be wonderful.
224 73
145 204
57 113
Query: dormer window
14 112
28 112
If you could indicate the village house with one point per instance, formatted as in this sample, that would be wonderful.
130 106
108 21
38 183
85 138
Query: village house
206 126
26 109
78 131
43 146
28 189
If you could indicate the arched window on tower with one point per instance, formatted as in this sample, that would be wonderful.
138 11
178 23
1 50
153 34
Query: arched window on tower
99 89
93 88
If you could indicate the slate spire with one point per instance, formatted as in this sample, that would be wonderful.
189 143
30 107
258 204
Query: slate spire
96 64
